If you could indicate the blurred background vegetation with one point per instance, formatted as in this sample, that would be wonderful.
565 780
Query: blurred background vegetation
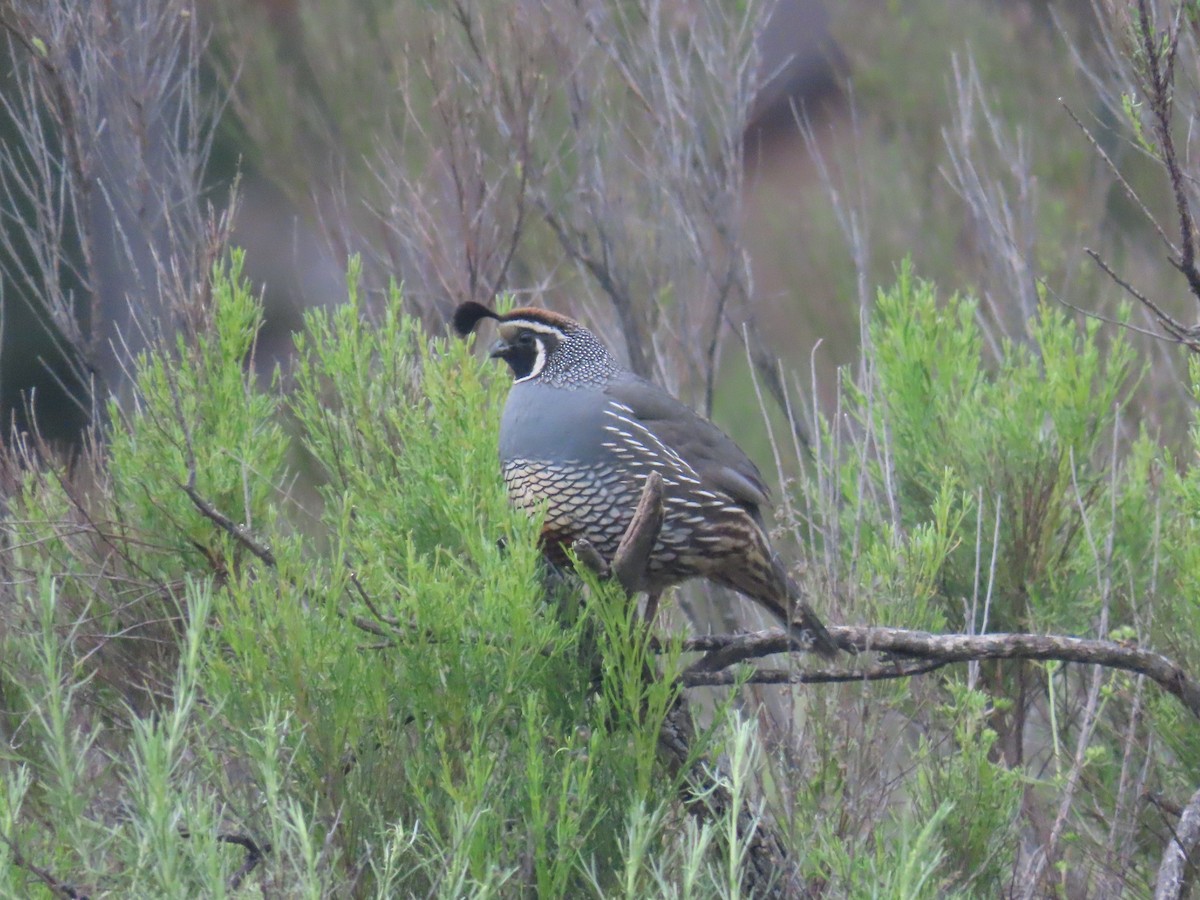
869 237
433 139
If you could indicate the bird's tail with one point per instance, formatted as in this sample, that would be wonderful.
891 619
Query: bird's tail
805 624
769 585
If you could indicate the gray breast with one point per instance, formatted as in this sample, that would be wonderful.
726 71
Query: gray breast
582 456
555 456
541 422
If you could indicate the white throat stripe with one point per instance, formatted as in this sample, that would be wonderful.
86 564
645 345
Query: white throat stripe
539 363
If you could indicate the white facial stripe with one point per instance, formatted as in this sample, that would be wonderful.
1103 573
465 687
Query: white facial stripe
529 325
538 362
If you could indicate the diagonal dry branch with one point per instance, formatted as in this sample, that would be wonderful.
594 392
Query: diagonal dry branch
1147 59
255 853
56 886
953 648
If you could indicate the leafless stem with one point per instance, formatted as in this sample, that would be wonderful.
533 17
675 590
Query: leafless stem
107 238
1176 329
1178 865
954 648
254 854
1160 69
888 671
390 621
240 533
57 887
1116 173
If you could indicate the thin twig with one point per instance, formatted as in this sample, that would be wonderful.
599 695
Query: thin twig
254 853
1134 196
1162 804
1177 330
1107 320
58 887
370 604
240 533
372 627
1162 79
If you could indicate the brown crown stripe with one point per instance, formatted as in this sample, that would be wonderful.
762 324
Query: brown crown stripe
544 316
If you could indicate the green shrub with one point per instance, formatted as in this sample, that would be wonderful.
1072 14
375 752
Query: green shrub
370 680
333 644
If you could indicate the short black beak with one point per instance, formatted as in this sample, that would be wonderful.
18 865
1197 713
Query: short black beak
500 349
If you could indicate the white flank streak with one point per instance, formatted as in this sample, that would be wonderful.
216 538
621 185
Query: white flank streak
685 471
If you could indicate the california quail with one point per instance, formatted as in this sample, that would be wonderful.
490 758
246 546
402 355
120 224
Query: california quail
580 434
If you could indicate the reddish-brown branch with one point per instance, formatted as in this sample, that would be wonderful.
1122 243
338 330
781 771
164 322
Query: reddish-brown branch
633 553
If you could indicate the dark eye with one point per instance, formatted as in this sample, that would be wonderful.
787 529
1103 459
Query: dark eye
526 339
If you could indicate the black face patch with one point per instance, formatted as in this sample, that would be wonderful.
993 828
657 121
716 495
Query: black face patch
526 352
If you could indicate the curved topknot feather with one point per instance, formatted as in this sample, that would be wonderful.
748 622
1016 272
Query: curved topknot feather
468 314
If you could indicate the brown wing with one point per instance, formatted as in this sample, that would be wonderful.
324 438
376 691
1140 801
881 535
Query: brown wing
720 463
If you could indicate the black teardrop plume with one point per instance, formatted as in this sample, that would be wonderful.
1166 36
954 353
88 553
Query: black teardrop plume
468 314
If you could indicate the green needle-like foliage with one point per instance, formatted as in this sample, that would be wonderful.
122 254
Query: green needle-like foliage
286 634
368 678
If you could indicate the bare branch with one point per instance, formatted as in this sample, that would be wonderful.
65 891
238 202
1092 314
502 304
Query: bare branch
1161 74
629 563
695 677
1116 173
254 854
590 557
1176 329
1107 320
57 887
106 97
952 648
390 621
1177 868
240 533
